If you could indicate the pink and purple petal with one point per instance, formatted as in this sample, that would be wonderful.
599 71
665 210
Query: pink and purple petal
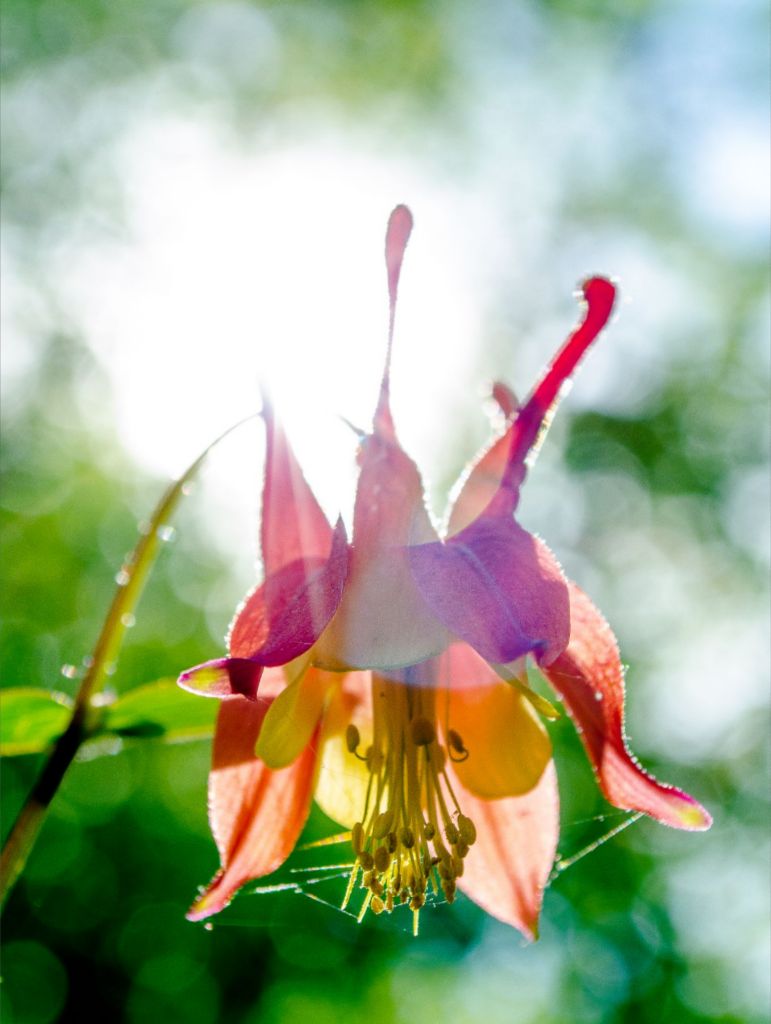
589 678
256 814
285 616
497 587
225 677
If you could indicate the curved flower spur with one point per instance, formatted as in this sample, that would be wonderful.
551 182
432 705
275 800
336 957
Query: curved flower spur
386 676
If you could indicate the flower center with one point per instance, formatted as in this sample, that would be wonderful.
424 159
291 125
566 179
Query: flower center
412 834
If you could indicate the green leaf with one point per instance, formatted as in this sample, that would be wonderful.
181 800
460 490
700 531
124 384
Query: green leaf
31 719
161 710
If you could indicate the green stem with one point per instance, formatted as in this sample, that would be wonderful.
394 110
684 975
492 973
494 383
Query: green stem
131 580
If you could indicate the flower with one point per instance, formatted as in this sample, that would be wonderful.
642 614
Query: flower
387 676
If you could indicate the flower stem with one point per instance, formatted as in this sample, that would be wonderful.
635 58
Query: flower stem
131 580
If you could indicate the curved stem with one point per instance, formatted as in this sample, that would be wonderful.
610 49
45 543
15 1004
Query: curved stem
131 580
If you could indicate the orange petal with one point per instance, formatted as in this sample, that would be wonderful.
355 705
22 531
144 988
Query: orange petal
256 814
508 747
507 868
589 678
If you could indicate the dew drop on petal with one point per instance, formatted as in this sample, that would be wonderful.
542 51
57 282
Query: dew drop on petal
165 533
128 620
69 671
208 927
598 695
122 577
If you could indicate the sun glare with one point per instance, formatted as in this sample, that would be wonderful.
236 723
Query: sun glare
242 271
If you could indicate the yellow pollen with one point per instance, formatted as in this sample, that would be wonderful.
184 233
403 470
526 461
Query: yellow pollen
423 732
352 738
412 836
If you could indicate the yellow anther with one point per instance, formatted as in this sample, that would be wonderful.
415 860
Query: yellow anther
389 903
429 831
382 858
452 833
457 867
357 837
374 760
406 838
392 841
366 860
423 732
467 829
382 825
417 901
445 870
376 905
457 747
376 887
352 738
461 848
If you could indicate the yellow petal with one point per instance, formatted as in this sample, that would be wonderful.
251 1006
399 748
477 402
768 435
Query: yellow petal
508 747
293 717
341 784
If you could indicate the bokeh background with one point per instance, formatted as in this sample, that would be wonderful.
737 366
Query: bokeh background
195 200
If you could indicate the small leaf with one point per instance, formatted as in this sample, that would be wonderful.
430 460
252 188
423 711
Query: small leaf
160 710
31 719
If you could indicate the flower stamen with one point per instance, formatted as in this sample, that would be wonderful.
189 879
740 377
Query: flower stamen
407 838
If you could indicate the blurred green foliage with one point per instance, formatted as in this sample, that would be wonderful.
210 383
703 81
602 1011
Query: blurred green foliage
653 927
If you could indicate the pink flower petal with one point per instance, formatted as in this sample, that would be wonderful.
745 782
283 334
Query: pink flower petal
497 587
225 677
284 617
256 814
503 462
397 235
508 866
293 525
589 678
383 621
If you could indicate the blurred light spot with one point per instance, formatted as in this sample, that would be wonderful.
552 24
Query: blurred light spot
34 984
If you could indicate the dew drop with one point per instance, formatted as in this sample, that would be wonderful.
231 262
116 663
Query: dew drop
88 661
598 695
122 577
165 533
188 488
208 927
128 620
110 669
69 671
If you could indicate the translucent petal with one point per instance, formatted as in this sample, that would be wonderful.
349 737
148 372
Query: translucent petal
293 718
590 679
508 747
508 866
341 785
256 814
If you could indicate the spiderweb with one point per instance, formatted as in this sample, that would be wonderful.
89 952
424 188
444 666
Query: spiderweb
324 883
